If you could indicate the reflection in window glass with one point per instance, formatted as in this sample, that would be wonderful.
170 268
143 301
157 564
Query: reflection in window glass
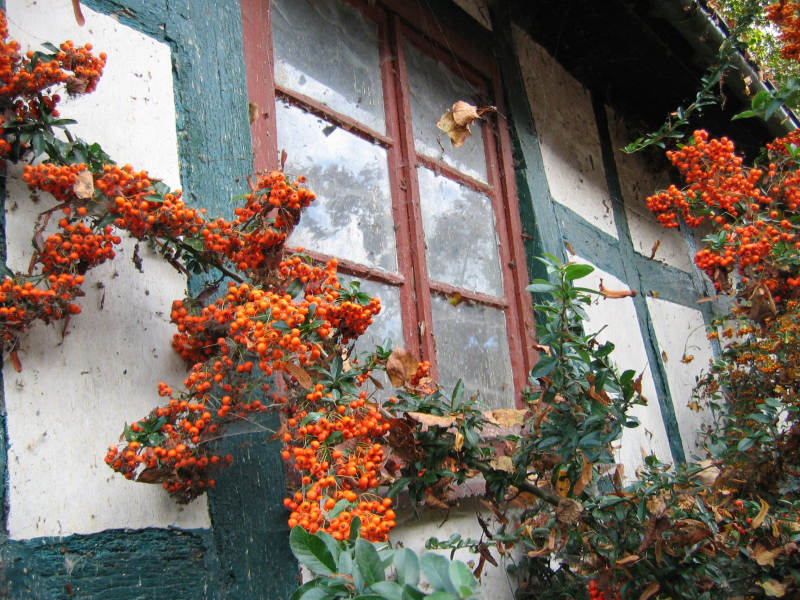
352 215
329 51
472 345
434 89
460 236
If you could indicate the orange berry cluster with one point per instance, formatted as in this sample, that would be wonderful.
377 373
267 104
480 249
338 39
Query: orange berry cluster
254 241
171 447
280 330
21 303
785 15
77 248
753 210
596 593
333 447
25 81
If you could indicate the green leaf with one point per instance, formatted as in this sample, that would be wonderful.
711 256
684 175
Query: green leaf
368 562
573 272
745 444
355 528
311 551
441 596
544 366
313 590
462 578
407 565
540 286
338 508
437 571
391 590
458 394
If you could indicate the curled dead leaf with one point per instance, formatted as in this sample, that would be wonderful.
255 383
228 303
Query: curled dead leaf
502 463
434 502
584 478
762 306
401 367
76 10
459 441
428 420
84 186
627 560
773 588
568 511
456 121
761 515
506 417
77 85
299 373
616 293
708 474
654 249
765 557
652 588
15 362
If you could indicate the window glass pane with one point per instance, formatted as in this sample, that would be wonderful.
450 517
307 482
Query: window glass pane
460 239
471 344
329 51
352 215
433 89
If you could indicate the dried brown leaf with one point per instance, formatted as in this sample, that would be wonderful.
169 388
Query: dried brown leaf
616 293
654 249
456 121
15 362
627 560
773 588
76 10
584 478
502 463
459 441
762 306
299 373
506 417
464 113
84 186
761 515
435 502
765 557
652 588
428 420
401 366
568 511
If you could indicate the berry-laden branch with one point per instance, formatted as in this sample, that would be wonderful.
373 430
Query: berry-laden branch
277 338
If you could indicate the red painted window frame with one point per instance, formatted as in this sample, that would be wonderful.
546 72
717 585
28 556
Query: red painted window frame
398 20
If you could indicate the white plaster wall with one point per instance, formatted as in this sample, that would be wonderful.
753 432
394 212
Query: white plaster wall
495 582
618 316
680 329
568 137
76 391
639 179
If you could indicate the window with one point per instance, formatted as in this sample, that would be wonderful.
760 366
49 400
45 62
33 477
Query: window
352 93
